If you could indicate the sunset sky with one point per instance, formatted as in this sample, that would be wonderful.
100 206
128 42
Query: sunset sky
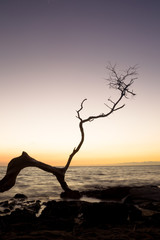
53 54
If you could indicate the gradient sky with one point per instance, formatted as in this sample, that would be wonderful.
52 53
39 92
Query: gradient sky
53 54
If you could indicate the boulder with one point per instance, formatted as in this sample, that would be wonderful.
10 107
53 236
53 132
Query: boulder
20 196
101 213
71 195
141 193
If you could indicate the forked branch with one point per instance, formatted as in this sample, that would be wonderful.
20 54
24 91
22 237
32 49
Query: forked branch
75 150
121 82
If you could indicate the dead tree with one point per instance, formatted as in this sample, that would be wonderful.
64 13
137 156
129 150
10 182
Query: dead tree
118 81
121 82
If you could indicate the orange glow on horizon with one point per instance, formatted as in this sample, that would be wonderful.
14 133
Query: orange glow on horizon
61 160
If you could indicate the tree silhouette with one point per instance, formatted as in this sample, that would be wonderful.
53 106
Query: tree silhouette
121 82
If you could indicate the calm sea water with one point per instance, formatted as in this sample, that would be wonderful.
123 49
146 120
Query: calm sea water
37 184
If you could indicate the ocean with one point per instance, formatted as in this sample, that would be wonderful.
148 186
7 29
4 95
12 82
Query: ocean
37 184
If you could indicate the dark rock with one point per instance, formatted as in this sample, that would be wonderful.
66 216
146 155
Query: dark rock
139 194
60 209
156 219
126 194
4 204
18 220
134 213
102 213
114 193
4 224
59 215
62 215
20 215
12 205
6 210
128 200
33 206
155 206
71 194
20 196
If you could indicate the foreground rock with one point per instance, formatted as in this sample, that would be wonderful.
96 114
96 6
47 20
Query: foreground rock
121 193
124 213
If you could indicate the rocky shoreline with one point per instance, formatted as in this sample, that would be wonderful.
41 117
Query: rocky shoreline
121 213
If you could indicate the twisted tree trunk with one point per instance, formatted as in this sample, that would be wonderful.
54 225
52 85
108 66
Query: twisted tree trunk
17 164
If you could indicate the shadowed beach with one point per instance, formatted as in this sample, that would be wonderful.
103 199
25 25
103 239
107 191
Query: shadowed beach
117 213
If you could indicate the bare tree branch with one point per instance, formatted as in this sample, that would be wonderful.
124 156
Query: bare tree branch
121 82
75 150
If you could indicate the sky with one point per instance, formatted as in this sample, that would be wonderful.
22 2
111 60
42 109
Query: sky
53 54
